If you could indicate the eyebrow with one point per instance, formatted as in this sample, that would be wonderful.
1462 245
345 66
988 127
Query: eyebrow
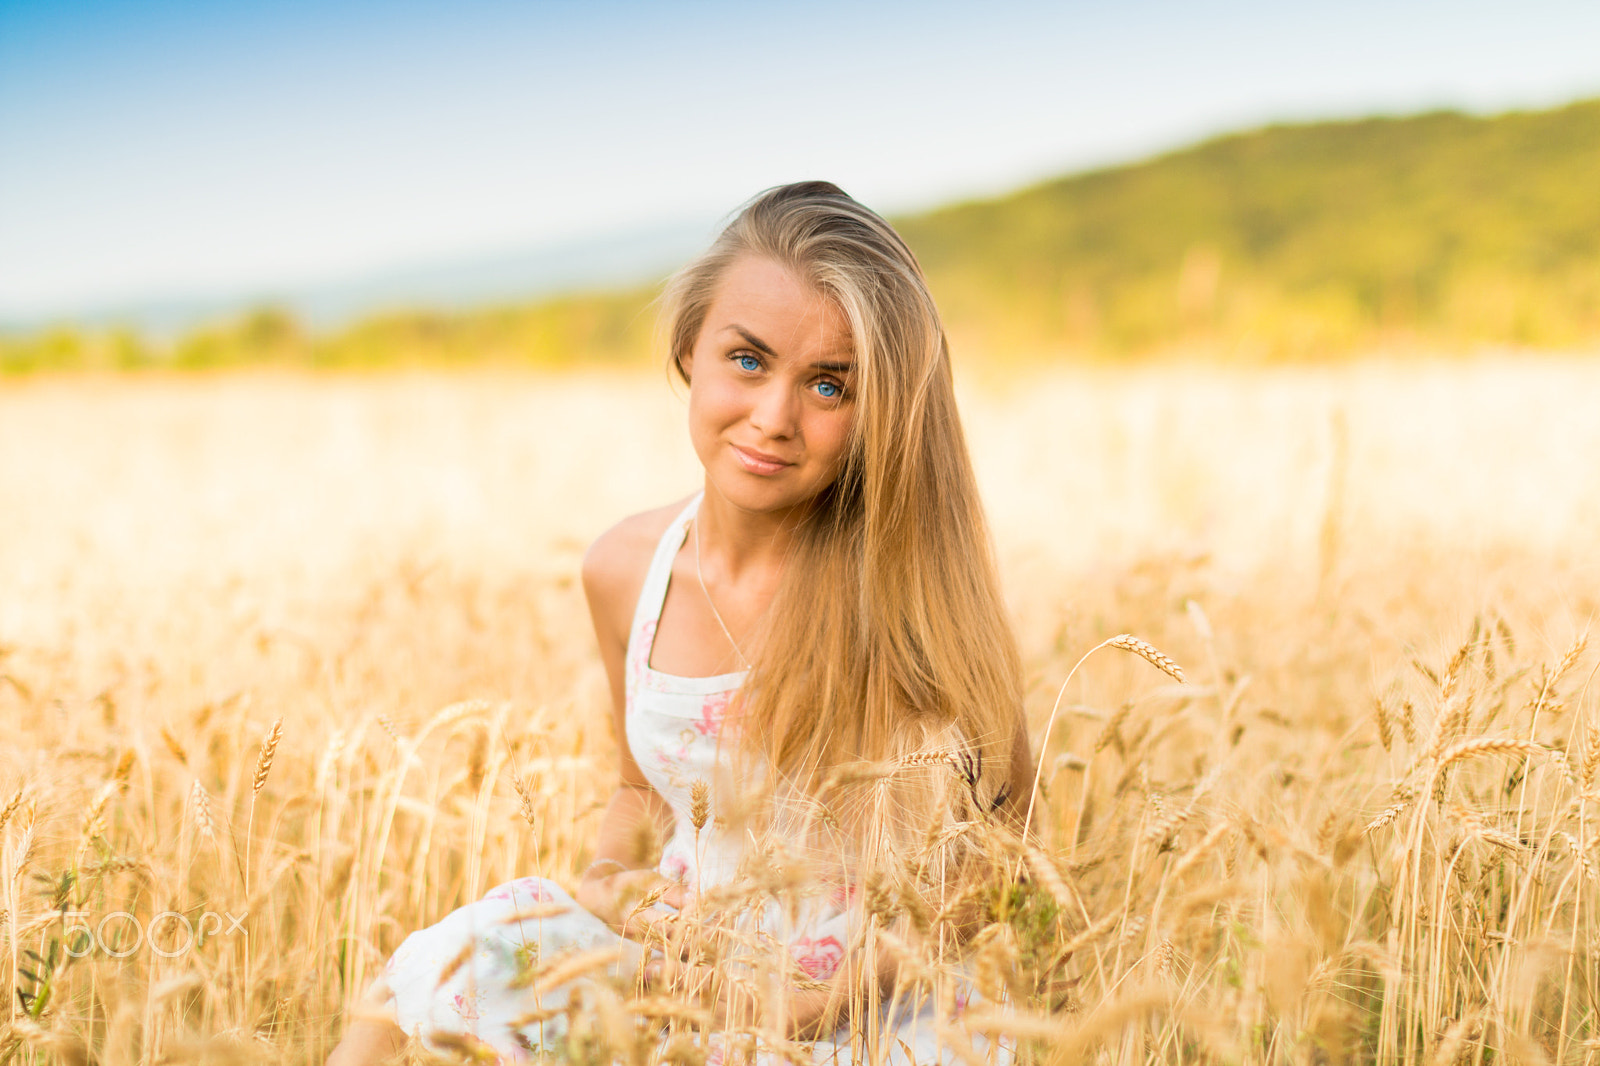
762 346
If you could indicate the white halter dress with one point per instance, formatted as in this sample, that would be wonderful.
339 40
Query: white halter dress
673 725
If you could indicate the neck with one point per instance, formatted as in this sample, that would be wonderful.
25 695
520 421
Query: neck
744 542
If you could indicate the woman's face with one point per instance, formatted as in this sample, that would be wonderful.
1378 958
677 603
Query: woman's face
770 400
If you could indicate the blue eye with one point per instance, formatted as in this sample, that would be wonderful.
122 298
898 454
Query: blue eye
747 361
829 390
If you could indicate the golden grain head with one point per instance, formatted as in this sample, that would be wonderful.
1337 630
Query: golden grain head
1385 734
269 750
1387 816
1570 658
525 800
175 746
1475 747
699 804
200 803
10 808
1591 751
1149 653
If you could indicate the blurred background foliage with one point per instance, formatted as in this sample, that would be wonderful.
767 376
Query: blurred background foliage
1440 231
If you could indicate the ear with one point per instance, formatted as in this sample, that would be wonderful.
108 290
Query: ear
686 365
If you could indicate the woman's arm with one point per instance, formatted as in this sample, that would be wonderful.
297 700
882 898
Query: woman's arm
620 875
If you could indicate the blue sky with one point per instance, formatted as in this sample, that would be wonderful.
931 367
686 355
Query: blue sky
163 149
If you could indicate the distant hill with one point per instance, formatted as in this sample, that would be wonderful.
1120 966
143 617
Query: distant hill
1293 240
623 259
1441 231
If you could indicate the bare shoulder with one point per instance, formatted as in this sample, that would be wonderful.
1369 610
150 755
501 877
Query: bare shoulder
615 565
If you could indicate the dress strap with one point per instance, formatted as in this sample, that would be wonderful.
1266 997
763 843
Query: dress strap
654 592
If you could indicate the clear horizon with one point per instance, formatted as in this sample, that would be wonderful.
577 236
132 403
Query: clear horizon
166 151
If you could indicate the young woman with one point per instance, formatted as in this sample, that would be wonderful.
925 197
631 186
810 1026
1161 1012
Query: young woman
811 672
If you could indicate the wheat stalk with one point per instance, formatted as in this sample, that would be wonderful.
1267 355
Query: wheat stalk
1481 830
1570 659
699 804
10 808
175 746
92 826
269 750
1558 759
1452 673
1552 679
1456 1037
1473 747
1095 930
573 966
1149 653
1582 857
1048 876
668 1007
124 768
201 802
1389 814
464 1047
934 757
1167 820
1125 641
1591 751
525 806
1113 729
1385 735
1200 850
453 966
1408 721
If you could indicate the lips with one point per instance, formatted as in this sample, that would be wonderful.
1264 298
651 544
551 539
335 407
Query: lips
760 462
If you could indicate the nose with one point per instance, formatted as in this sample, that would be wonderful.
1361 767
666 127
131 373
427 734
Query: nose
776 410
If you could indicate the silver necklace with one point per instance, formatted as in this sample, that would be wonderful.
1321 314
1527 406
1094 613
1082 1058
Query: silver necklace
709 601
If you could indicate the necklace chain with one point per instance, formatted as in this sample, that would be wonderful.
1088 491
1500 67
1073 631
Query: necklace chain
699 573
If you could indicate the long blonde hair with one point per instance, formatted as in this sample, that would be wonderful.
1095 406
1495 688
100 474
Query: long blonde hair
904 638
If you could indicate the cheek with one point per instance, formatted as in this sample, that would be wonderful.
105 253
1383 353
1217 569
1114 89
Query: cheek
712 406
830 437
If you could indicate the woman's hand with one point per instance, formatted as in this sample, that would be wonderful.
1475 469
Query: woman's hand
626 899
810 1012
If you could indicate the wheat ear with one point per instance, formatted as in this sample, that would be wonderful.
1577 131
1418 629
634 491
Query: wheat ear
699 804
1125 641
202 812
1149 653
1475 746
269 750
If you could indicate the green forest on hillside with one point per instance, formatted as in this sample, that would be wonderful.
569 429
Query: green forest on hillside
1441 230
1438 231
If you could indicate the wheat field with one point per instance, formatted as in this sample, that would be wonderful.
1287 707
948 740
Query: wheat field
277 650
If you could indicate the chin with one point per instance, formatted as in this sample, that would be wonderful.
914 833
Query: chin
753 492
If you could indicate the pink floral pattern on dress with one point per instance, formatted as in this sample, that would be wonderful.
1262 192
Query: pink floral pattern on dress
675 868
530 889
819 958
466 1007
712 713
674 760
